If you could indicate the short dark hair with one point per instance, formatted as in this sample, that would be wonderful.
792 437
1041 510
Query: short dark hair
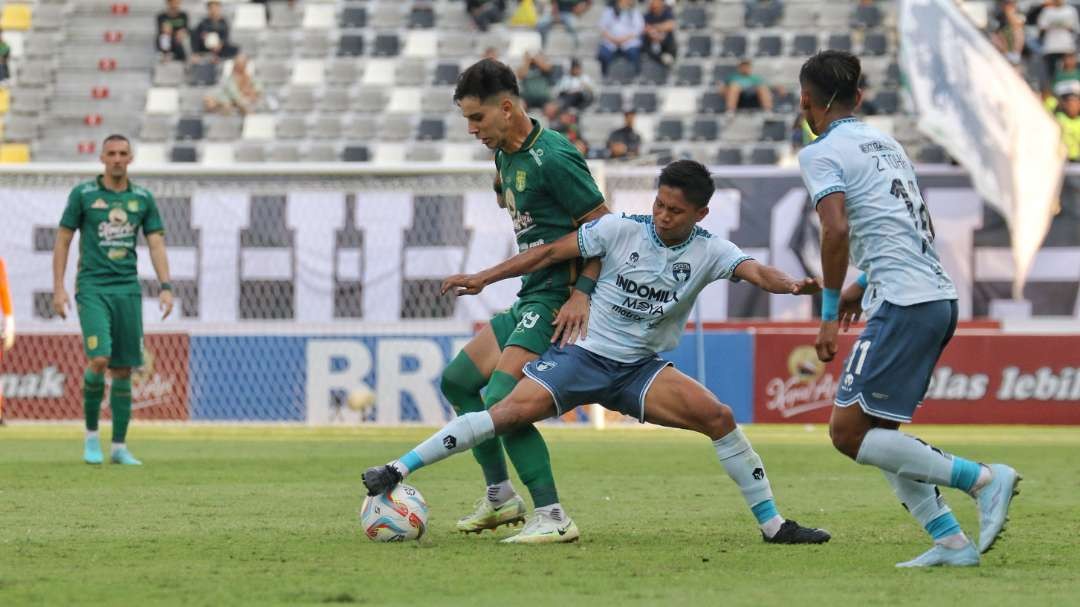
832 76
484 79
116 137
692 178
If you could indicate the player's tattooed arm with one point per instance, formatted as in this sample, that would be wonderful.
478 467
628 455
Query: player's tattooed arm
537 258
774 280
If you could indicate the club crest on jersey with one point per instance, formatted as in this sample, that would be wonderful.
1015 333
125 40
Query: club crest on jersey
632 260
519 181
133 206
99 204
681 271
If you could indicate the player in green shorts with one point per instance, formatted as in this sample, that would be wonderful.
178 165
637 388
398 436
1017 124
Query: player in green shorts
109 211
545 185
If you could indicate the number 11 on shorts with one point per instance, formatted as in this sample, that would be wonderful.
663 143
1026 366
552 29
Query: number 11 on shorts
863 345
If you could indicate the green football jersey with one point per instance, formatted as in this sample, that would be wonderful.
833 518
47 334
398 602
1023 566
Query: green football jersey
108 223
548 190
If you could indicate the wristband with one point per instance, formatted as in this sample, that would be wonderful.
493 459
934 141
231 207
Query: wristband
863 280
585 284
166 286
830 304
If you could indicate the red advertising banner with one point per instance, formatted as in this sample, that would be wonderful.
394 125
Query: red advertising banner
982 378
41 379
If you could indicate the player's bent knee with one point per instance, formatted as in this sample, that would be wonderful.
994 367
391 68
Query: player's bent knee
720 421
845 439
120 373
98 364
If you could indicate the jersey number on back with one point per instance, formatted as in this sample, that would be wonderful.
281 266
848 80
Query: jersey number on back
921 216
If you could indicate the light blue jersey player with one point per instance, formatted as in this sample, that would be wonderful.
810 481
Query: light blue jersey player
864 189
652 270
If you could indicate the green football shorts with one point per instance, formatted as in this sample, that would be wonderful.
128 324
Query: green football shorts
112 327
526 324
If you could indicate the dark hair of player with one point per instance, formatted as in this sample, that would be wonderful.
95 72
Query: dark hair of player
832 77
485 79
692 178
116 137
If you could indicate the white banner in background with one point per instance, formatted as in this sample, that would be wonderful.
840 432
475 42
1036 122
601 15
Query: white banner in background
972 102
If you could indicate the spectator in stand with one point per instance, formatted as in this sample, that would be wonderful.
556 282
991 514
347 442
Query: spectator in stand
565 12
172 32
239 92
1069 119
569 126
1059 25
550 114
485 13
5 54
866 15
534 78
746 90
1008 32
575 89
1068 72
212 35
659 36
621 28
624 142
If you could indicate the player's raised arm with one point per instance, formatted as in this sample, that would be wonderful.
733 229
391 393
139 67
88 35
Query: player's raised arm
774 280
538 258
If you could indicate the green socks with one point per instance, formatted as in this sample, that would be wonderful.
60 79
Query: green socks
461 384
525 446
93 392
120 404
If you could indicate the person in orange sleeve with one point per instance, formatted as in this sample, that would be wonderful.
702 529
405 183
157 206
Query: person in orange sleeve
8 331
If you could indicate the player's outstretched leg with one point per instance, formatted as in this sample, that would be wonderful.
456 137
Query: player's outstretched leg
93 393
677 401
462 382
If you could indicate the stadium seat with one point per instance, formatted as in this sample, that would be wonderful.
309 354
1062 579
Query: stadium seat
662 155
169 74
728 16
764 155
446 74
421 17
355 153
774 130
458 152
431 129
315 43
277 44
734 46
892 75
308 72
386 15
285 152
14 153
291 127
258 127
875 44
321 153
299 100
162 101
47 17
354 16
712 103
250 153
804 45
765 13
334 100
370 100
742 127
386 45
404 100
327 127
150 153
621 71
361 128
609 103
833 16
522 42
455 44
218 154
839 42
183 153
223 128
705 129
799 17
437 101
318 17
866 17
203 74
679 100
770 46
189 129
341 71
688 74
378 72
351 45
16 17
699 45
887 102
411 72
395 127
40 45
653 73
287 17
693 17
669 129
421 43
424 152
728 156
388 153
249 17
644 102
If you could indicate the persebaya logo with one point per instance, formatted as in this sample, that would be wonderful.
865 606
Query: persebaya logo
91 342
681 271
133 206
519 181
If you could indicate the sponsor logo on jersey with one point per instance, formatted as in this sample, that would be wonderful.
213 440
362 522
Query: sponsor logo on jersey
681 271
99 204
519 180
645 291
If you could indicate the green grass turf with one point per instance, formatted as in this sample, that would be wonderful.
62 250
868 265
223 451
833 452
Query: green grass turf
261 516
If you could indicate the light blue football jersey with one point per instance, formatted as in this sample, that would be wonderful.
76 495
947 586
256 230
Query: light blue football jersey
891 234
646 289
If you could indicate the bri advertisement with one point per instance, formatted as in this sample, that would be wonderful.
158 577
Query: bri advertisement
982 378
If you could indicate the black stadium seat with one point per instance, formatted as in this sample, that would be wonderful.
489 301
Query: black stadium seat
354 16
669 130
733 46
189 129
351 45
386 45
183 153
699 46
356 153
705 129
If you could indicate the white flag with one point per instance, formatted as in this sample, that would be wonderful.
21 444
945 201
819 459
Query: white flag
971 101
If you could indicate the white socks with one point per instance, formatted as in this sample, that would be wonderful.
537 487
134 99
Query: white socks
461 434
906 456
499 493
553 511
118 447
744 466
92 435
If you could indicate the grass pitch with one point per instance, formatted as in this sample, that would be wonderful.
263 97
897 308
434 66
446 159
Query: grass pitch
257 516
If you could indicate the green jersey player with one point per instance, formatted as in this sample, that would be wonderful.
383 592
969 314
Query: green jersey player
109 211
545 185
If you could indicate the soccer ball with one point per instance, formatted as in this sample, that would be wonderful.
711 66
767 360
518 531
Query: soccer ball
395 516
360 399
